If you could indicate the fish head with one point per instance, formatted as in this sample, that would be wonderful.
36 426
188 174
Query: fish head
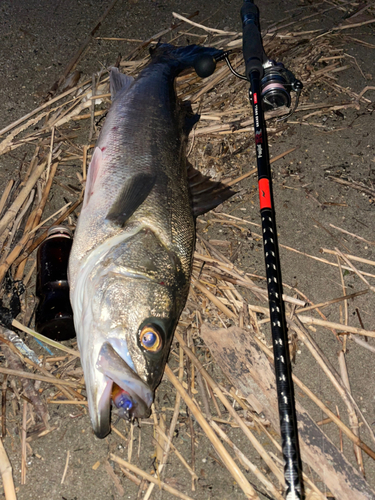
131 303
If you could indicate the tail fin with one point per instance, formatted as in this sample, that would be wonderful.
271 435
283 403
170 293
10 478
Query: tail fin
180 58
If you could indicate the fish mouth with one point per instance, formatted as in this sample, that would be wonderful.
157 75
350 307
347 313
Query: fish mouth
131 395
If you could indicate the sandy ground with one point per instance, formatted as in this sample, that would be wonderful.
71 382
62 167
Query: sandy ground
38 38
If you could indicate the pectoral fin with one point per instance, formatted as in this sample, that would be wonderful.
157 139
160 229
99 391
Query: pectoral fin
133 194
205 193
94 167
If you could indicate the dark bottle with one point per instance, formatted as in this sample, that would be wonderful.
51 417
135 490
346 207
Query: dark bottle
54 315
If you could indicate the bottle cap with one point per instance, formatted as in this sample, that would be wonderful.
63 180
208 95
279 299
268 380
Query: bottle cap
63 231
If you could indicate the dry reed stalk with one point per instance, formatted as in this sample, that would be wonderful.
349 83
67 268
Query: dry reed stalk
34 376
66 467
220 74
43 236
4 389
4 196
155 37
7 145
363 343
116 431
210 30
18 202
362 42
44 222
148 477
70 402
15 361
309 320
115 479
38 216
131 476
23 444
332 301
353 235
203 392
349 434
325 261
86 116
219 393
37 110
353 268
214 299
246 462
17 222
189 382
73 111
351 257
353 25
69 392
6 474
84 162
240 178
49 161
354 185
176 412
353 419
44 339
175 451
249 284
12 256
130 443
222 452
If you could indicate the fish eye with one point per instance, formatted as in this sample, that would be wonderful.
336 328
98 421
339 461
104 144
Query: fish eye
150 339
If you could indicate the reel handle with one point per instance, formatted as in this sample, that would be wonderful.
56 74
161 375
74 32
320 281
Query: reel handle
253 52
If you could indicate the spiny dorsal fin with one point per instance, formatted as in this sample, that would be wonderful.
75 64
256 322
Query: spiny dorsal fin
133 194
118 81
206 194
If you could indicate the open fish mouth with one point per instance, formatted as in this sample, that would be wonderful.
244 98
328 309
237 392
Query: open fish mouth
131 395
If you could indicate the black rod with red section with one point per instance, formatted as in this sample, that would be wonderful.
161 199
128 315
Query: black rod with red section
254 58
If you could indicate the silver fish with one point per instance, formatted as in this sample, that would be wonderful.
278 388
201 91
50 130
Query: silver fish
130 263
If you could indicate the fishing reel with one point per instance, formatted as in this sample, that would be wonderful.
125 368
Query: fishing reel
276 84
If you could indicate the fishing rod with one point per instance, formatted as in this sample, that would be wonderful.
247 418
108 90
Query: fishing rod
270 88
270 85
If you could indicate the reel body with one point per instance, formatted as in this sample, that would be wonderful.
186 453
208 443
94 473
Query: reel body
276 86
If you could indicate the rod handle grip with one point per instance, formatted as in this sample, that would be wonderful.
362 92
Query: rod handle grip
253 52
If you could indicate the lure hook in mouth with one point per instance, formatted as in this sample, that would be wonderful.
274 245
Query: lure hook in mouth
130 394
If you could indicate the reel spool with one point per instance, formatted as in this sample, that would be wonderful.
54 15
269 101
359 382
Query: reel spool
276 85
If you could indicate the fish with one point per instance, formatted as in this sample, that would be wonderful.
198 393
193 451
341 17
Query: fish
131 260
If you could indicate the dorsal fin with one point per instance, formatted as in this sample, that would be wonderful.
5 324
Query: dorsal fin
118 81
132 195
205 193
